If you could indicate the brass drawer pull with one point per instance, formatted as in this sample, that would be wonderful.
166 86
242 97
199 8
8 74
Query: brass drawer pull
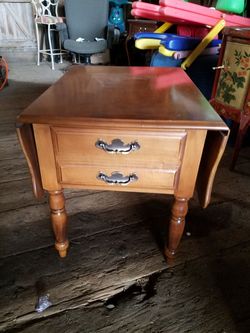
117 146
117 178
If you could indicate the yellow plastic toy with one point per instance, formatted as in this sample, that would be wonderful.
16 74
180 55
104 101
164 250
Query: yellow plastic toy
203 44
150 43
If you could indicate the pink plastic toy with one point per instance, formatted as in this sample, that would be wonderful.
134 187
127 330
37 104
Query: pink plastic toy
192 31
179 11
147 10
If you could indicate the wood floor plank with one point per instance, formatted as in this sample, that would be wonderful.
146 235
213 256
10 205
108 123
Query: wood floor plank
19 94
33 221
10 147
13 170
202 296
98 266
18 194
94 246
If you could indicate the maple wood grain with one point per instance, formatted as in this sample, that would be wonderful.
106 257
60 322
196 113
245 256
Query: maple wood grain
157 110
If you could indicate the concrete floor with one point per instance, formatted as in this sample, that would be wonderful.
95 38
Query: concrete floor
115 278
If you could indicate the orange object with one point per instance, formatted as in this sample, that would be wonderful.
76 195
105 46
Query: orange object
3 72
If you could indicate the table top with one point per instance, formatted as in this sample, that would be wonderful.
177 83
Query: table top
141 96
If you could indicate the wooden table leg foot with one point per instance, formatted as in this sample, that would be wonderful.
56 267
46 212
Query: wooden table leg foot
62 249
176 227
169 254
59 221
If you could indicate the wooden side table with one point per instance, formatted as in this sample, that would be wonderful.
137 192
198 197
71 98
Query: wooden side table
137 25
231 93
134 129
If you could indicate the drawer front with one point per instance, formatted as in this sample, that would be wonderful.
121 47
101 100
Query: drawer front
124 178
156 150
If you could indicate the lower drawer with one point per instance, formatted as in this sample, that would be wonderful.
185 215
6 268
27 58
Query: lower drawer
129 177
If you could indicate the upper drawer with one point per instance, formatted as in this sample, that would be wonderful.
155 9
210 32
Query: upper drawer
100 146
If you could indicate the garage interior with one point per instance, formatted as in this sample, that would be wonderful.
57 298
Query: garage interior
115 277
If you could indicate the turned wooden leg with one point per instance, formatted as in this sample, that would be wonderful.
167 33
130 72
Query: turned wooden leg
177 224
59 221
